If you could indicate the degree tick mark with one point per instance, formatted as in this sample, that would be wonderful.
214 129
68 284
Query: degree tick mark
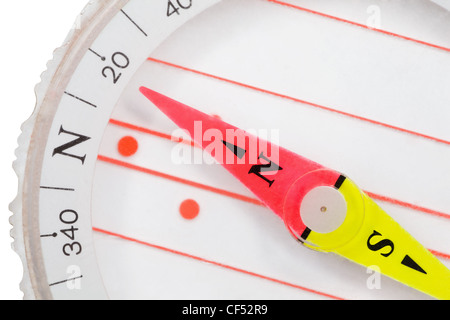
134 22
97 54
53 235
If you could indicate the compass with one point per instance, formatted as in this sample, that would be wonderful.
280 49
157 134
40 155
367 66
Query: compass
131 187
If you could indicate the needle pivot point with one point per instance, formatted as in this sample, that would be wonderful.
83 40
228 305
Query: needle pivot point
323 209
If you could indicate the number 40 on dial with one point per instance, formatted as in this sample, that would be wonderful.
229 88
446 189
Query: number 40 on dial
174 7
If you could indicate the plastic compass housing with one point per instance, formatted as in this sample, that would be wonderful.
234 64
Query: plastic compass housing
196 149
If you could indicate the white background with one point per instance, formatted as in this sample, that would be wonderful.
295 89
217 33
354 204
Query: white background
30 31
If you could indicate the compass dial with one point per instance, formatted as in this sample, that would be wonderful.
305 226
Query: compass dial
118 202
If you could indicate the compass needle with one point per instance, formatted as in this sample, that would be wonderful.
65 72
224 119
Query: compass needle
300 190
190 149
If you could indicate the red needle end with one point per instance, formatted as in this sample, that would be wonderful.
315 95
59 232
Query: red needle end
168 106
185 117
267 170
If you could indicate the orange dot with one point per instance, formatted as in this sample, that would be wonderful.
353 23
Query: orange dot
127 146
189 209
216 116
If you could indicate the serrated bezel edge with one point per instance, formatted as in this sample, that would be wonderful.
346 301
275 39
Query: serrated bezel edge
25 138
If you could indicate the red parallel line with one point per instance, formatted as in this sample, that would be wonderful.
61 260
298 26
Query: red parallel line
440 254
219 264
311 104
180 180
203 186
361 25
149 131
407 205
370 194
